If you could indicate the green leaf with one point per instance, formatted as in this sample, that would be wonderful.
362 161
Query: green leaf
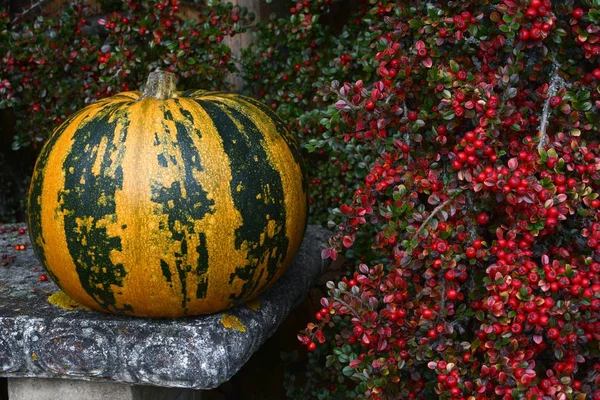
454 67
414 23
552 153
558 353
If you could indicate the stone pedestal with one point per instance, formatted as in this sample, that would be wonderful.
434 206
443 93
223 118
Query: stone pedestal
40 340
63 389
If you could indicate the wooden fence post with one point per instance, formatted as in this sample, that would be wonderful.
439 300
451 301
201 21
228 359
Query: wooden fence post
242 40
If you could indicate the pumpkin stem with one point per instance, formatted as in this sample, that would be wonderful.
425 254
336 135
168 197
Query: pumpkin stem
161 85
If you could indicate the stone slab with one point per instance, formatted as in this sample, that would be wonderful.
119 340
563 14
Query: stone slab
54 389
64 389
40 340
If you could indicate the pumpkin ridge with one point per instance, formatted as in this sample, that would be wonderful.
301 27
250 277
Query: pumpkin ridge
185 202
285 133
283 160
57 259
34 201
255 187
86 216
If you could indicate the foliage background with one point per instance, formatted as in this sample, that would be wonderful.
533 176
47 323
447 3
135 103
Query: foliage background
453 147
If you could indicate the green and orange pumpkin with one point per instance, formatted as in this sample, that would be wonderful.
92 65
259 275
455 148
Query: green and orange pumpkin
167 204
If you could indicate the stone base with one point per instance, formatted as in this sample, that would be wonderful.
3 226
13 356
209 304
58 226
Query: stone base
63 389
41 340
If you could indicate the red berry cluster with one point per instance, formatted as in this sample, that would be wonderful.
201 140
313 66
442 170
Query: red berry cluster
53 66
540 20
478 215
584 25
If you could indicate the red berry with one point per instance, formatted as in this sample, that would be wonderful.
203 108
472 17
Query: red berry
441 247
43 277
531 13
471 252
535 3
490 113
553 333
577 13
516 328
452 294
555 101
483 219
535 33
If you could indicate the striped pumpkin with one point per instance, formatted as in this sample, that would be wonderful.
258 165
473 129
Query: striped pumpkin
167 204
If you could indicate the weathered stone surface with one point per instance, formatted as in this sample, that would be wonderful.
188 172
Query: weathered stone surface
64 389
53 389
38 339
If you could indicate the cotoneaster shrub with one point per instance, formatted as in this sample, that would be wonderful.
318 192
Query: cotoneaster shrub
290 67
478 221
52 66
454 149
54 62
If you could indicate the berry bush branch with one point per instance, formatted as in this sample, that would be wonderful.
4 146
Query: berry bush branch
23 13
556 83
436 210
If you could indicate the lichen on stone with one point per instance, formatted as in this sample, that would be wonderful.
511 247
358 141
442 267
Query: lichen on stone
63 300
231 322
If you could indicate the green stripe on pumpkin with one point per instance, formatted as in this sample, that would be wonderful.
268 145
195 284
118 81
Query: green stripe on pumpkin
87 240
34 206
257 192
184 211
289 139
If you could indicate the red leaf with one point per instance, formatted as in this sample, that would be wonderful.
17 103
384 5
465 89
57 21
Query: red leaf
347 241
346 209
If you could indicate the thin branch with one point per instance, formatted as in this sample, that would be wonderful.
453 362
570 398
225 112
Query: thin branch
433 213
349 307
442 299
471 227
22 14
556 83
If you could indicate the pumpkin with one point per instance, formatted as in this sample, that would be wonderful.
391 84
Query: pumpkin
168 204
